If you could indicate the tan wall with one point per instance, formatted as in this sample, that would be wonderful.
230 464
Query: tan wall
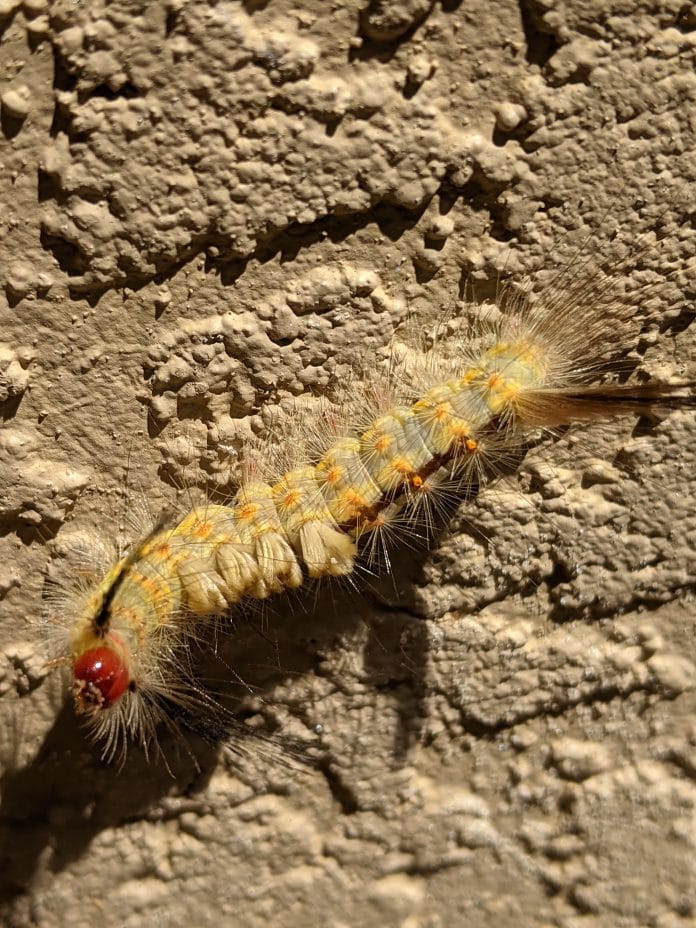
208 209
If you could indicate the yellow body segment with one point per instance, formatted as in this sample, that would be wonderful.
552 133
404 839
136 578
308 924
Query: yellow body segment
394 451
440 425
346 483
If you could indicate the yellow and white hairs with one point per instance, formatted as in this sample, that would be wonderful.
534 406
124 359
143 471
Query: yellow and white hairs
442 421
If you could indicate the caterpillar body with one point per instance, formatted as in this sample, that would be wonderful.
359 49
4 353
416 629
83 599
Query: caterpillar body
441 423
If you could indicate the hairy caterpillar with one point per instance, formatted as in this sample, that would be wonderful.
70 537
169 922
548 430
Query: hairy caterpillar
440 424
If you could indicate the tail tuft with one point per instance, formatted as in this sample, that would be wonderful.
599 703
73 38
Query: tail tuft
549 407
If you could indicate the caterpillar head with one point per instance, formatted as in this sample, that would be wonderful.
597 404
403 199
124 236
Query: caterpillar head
100 678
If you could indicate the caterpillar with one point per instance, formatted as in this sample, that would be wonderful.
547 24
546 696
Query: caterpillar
439 424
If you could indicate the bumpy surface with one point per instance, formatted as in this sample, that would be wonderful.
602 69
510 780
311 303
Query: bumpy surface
211 208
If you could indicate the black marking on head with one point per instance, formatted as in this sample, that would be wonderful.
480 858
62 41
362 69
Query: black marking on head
102 619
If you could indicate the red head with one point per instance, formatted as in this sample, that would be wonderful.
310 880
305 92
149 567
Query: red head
100 678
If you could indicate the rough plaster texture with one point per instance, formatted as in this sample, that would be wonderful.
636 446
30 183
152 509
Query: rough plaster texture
210 208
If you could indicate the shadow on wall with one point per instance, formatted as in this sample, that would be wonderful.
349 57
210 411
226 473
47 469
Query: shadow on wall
53 808
65 796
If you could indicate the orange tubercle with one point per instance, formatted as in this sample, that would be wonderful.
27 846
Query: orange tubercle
290 499
203 529
334 474
247 512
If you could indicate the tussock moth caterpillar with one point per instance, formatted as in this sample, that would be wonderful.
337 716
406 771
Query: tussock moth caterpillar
439 424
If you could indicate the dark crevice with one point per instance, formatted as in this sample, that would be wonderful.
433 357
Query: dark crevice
62 78
411 88
344 796
500 138
500 232
8 410
424 869
254 6
6 21
525 134
685 20
644 426
559 575
127 91
541 44
69 257
34 39
62 81
46 187
520 134
171 22
11 125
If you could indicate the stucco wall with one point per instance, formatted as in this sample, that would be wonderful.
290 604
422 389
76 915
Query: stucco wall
210 208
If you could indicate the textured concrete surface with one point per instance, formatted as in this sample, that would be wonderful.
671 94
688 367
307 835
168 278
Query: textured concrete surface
211 208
